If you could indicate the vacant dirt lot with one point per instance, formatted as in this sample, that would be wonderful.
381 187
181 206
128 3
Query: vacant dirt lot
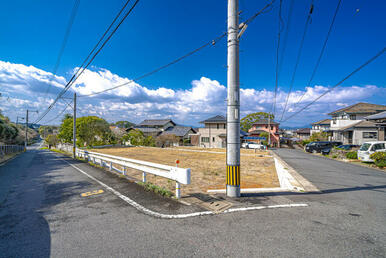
207 169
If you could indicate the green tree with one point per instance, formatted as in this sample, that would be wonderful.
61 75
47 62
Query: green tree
135 137
51 140
65 130
319 136
91 130
247 121
266 135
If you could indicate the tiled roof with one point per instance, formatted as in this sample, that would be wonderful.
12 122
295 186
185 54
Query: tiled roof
322 122
215 119
361 107
147 130
303 130
381 115
178 130
155 122
265 122
361 124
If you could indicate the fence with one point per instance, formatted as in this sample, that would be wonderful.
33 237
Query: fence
8 149
180 175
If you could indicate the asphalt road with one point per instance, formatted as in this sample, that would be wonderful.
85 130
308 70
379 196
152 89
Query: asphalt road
42 214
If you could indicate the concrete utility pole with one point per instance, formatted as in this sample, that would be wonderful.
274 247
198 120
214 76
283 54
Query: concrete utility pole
74 130
233 103
26 129
269 129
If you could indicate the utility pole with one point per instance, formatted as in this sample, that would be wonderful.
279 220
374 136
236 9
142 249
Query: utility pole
269 129
233 103
74 130
26 129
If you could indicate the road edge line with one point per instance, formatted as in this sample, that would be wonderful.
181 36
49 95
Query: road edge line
147 211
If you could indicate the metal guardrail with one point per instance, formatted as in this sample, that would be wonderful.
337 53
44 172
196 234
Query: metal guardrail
180 175
8 149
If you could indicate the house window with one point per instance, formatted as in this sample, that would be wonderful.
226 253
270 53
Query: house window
369 135
204 139
271 127
213 139
353 117
225 126
218 126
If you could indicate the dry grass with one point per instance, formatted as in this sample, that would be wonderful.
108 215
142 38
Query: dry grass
207 169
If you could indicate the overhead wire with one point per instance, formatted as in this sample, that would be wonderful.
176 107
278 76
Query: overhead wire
298 57
340 82
321 52
83 66
208 43
64 43
273 107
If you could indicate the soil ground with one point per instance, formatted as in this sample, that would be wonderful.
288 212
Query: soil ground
207 168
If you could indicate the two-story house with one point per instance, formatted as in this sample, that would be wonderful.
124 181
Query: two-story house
153 127
349 126
214 132
380 122
321 126
263 126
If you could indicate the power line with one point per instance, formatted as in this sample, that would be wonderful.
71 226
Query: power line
64 43
340 82
298 57
82 68
277 58
211 42
321 52
56 117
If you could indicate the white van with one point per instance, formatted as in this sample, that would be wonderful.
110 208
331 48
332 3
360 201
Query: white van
369 148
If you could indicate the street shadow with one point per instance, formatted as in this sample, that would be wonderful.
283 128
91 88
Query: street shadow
321 192
30 199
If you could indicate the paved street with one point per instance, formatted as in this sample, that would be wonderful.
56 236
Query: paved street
42 214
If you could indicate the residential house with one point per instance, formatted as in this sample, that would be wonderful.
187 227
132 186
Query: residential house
262 126
348 124
380 122
182 132
321 126
213 134
303 133
153 127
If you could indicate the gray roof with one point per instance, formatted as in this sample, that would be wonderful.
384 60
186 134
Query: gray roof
303 130
146 129
178 130
155 122
215 119
323 122
381 115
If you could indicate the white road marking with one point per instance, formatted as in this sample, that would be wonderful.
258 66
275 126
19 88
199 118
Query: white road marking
180 216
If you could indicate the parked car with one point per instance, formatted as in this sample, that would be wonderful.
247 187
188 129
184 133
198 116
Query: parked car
369 148
244 145
256 146
347 147
315 147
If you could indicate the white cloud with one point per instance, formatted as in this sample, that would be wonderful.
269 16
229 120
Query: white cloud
134 102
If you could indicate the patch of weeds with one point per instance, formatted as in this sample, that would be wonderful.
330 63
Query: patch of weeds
334 156
156 189
122 176
44 148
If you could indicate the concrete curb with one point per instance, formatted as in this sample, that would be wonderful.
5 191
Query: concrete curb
299 181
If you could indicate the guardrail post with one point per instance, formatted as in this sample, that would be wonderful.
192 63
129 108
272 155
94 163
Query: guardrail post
124 171
178 190
111 166
144 177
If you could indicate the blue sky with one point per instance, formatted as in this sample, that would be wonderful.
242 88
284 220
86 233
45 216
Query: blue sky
159 31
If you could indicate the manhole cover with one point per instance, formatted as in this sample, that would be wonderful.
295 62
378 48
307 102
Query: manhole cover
209 203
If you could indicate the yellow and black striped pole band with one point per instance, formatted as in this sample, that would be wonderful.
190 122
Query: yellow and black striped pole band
233 175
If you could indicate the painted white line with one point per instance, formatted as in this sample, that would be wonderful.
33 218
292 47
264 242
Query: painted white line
179 216
253 190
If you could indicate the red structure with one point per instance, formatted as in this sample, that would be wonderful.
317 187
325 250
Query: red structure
262 126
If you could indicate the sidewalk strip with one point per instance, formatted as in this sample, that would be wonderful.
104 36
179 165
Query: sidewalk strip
180 216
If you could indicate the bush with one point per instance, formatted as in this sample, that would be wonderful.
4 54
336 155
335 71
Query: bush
305 142
352 155
379 159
